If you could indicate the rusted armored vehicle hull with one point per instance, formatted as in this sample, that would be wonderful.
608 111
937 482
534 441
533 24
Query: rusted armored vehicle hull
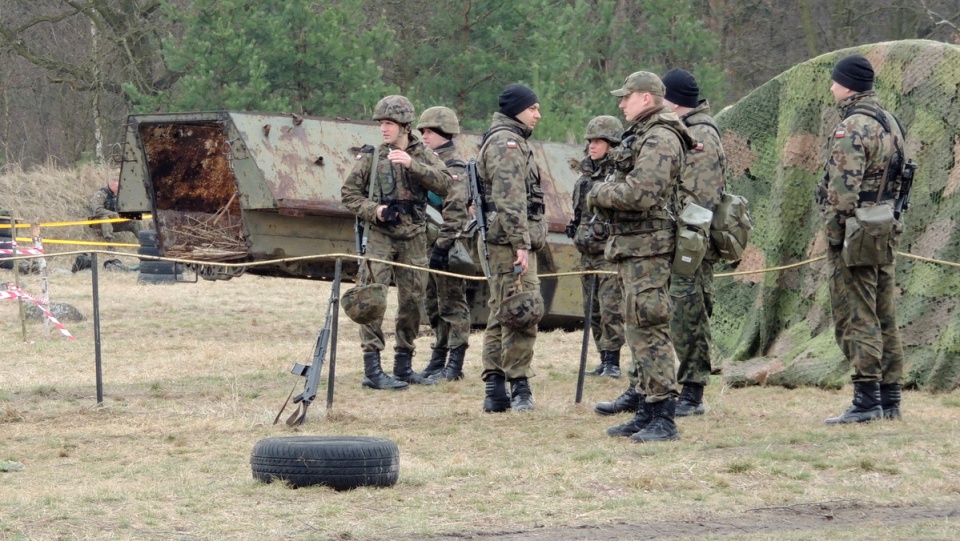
243 187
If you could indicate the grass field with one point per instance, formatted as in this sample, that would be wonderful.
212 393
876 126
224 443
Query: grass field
193 375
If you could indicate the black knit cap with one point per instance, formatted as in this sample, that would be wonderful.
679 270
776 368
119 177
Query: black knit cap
682 88
515 98
854 72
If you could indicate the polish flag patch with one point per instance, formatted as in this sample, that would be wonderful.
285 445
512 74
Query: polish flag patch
455 177
359 156
699 147
840 134
511 144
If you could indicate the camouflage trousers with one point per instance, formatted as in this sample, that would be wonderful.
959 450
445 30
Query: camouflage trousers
865 320
506 351
692 298
445 305
646 316
410 285
606 320
107 230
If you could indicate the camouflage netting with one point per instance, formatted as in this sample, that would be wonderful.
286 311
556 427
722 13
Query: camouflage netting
776 328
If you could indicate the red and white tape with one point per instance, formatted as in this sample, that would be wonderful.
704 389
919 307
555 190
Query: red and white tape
22 251
14 292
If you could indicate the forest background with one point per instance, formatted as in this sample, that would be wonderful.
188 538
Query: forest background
72 70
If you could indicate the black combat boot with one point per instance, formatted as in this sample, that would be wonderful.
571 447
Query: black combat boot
611 365
403 369
454 369
628 401
631 427
496 399
437 361
521 397
598 371
373 375
691 400
661 427
866 405
890 400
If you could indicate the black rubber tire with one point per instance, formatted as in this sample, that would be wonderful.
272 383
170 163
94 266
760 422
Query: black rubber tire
157 267
156 278
339 462
149 250
147 237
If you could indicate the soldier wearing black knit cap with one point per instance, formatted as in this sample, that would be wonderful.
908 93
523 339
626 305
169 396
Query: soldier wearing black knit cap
513 204
864 159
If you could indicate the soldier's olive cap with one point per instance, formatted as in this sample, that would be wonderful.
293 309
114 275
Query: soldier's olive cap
365 304
641 81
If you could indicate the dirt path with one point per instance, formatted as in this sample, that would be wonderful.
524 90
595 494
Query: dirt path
767 520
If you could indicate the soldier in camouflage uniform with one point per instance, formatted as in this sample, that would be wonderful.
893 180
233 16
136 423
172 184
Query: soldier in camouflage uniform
868 142
590 237
649 163
513 204
103 205
705 175
405 171
445 302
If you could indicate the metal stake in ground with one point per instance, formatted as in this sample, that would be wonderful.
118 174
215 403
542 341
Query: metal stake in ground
96 326
588 309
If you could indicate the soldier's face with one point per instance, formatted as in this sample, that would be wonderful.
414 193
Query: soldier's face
530 116
114 186
634 104
390 131
597 148
840 92
432 139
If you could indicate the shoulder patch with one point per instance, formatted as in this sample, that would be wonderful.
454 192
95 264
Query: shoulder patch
840 134
651 141
455 177
699 147
511 144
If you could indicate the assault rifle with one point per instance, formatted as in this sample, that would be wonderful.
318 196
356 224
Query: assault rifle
906 186
312 371
479 216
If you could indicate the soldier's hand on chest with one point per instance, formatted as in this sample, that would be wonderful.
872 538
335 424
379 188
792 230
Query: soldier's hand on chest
400 157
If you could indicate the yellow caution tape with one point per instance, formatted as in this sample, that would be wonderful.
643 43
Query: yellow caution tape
22 225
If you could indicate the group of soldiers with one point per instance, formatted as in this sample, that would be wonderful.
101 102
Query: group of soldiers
633 181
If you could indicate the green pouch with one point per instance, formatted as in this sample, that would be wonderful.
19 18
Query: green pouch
693 229
459 260
869 238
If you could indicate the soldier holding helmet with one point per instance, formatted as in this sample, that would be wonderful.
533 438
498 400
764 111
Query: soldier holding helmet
398 173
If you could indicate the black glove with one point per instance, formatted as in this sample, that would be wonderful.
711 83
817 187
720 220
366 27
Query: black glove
439 258
391 215
570 230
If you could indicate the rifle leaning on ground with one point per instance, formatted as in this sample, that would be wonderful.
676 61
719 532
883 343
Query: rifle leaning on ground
312 371
479 215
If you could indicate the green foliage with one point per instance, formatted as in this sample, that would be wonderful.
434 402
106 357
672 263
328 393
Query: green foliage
277 56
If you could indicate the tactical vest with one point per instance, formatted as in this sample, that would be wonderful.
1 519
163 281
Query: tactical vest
891 189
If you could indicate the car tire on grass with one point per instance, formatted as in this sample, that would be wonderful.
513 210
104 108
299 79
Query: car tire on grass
339 462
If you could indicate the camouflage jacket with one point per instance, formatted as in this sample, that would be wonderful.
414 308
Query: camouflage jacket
705 169
648 163
857 155
511 186
455 204
103 204
394 183
590 237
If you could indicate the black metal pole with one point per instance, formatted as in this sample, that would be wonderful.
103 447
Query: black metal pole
333 332
587 313
96 326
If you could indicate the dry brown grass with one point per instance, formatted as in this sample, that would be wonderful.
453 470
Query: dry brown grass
194 374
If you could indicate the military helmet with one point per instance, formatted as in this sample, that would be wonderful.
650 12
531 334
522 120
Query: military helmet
521 310
365 304
395 108
604 127
442 118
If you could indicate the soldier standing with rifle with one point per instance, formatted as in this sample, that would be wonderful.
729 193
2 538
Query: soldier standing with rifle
589 234
445 302
865 180
641 204
513 207
388 189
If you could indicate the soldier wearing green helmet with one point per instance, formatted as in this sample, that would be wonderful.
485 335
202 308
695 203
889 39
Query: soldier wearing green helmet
388 188
589 234
445 302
